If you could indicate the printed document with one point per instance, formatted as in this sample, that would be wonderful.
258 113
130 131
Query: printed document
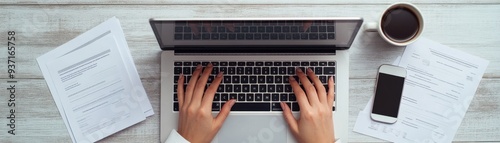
440 84
95 84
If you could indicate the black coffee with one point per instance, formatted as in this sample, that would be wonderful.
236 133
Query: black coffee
400 24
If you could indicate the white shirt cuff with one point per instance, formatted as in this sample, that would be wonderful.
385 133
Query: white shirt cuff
175 137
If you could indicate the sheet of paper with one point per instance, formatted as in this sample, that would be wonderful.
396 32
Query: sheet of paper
439 87
94 83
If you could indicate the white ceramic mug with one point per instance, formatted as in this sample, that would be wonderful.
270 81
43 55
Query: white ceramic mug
400 24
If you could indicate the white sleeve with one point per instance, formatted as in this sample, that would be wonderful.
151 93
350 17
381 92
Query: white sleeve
175 137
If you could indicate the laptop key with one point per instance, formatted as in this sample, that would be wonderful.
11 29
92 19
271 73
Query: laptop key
281 36
271 88
274 70
322 36
233 96
226 79
245 88
178 36
205 36
249 97
288 88
176 106
178 29
261 29
291 97
177 70
279 88
261 79
330 29
276 106
265 70
257 36
257 70
331 35
304 64
285 29
253 29
274 36
262 88
240 70
318 70
244 79
265 36
223 36
254 88
186 70
175 97
229 88
296 36
266 97
235 79
258 97
248 70
220 88
253 79
236 88
269 79
304 36
294 29
288 36
240 36
250 107
295 106
241 97
329 70
215 106
232 36
217 97
275 97
323 79
282 70
278 79
283 97
249 36
224 97
187 36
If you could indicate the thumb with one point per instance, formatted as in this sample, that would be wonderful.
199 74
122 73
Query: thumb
224 112
292 123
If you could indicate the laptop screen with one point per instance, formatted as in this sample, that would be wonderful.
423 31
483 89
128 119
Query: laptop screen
335 33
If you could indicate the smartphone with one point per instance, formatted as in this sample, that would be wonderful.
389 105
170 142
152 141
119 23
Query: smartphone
388 93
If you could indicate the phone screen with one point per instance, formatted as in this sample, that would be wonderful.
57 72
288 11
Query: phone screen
388 95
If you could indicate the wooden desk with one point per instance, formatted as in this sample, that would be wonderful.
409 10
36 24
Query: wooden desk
470 26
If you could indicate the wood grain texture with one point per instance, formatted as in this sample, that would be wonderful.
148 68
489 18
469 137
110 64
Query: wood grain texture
39 120
467 25
41 28
290 2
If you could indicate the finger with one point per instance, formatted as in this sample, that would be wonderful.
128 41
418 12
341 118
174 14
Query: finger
308 87
208 98
201 85
208 26
191 85
229 26
194 28
292 122
331 91
320 89
224 112
306 25
180 90
299 93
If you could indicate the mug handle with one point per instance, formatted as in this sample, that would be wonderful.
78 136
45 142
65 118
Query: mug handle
371 27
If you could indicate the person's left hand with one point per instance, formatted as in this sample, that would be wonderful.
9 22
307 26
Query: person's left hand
196 123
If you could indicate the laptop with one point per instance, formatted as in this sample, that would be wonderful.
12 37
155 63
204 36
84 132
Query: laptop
257 55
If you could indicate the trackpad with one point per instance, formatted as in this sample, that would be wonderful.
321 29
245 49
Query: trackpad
253 128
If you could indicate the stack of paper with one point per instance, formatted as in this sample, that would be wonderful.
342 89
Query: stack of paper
95 84
439 87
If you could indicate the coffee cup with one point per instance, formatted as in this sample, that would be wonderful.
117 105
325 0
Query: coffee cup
400 24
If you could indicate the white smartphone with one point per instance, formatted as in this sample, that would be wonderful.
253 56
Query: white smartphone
388 93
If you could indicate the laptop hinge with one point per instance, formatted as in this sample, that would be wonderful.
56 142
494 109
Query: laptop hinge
256 50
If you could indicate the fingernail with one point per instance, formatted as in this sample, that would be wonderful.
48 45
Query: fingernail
181 76
209 64
309 70
291 78
299 70
198 67
220 74
231 102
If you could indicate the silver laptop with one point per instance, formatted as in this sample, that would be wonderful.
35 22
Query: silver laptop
256 55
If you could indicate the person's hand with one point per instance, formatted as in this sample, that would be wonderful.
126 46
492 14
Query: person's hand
196 123
315 124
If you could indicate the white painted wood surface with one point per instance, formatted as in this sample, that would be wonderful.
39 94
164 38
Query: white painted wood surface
471 26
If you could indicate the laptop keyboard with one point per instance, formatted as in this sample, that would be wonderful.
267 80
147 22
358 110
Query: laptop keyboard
256 85
255 30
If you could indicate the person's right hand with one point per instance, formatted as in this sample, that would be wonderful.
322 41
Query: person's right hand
315 124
